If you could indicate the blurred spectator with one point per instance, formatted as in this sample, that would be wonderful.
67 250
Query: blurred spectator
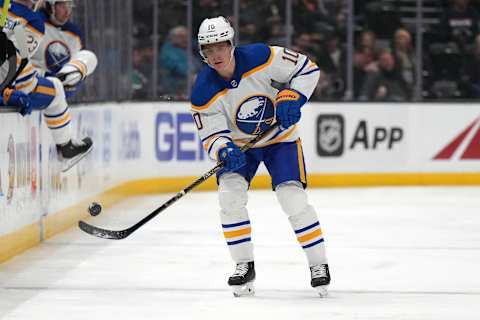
360 63
368 45
405 55
311 16
332 60
208 9
251 22
471 72
383 17
174 62
460 23
142 57
386 84
304 43
276 33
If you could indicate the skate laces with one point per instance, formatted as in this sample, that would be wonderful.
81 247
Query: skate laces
319 271
241 270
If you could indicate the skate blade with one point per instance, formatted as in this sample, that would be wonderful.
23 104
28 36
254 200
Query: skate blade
244 290
70 163
322 291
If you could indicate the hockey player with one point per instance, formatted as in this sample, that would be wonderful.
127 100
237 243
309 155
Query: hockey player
238 95
30 92
61 52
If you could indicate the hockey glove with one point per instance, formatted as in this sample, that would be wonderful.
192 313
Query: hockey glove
288 103
16 98
232 157
70 75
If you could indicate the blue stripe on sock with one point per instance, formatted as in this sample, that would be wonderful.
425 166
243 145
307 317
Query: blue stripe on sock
55 115
236 224
231 243
312 244
306 228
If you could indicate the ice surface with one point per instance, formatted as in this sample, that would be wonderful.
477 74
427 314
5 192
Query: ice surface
395 253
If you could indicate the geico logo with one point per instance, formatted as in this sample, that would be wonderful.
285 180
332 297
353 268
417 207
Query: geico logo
176 138
379 136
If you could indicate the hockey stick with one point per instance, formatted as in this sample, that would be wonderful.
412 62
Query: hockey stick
3 18
122 234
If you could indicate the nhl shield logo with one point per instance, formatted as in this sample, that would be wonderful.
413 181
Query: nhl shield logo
255 115
330 135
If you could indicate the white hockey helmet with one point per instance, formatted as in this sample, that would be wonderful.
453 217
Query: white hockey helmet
37 4
214 30
52 2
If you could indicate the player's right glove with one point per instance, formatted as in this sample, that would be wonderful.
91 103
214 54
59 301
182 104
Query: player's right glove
16 98
232 157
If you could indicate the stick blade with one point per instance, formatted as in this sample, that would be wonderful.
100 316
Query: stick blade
103 233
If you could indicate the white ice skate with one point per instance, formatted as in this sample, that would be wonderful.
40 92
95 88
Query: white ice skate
73 151
242 279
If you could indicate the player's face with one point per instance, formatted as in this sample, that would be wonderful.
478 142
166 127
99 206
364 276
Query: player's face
218 54
63 11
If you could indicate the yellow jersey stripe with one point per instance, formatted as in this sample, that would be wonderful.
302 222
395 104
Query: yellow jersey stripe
25 23
300 161
27 84
262 66
209 103
45 90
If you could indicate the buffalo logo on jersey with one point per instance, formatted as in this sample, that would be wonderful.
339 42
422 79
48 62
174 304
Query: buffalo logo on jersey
56 55
255 115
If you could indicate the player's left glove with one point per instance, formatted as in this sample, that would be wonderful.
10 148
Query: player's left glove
16 98
288 103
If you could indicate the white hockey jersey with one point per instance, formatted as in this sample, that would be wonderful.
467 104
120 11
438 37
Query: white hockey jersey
239 109
57 47
34 31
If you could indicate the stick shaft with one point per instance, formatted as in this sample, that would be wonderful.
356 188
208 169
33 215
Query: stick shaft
3 18
121 234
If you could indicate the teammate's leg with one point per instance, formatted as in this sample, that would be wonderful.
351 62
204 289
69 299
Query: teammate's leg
49 91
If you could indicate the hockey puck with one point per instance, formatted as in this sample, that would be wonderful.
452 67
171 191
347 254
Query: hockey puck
94 209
